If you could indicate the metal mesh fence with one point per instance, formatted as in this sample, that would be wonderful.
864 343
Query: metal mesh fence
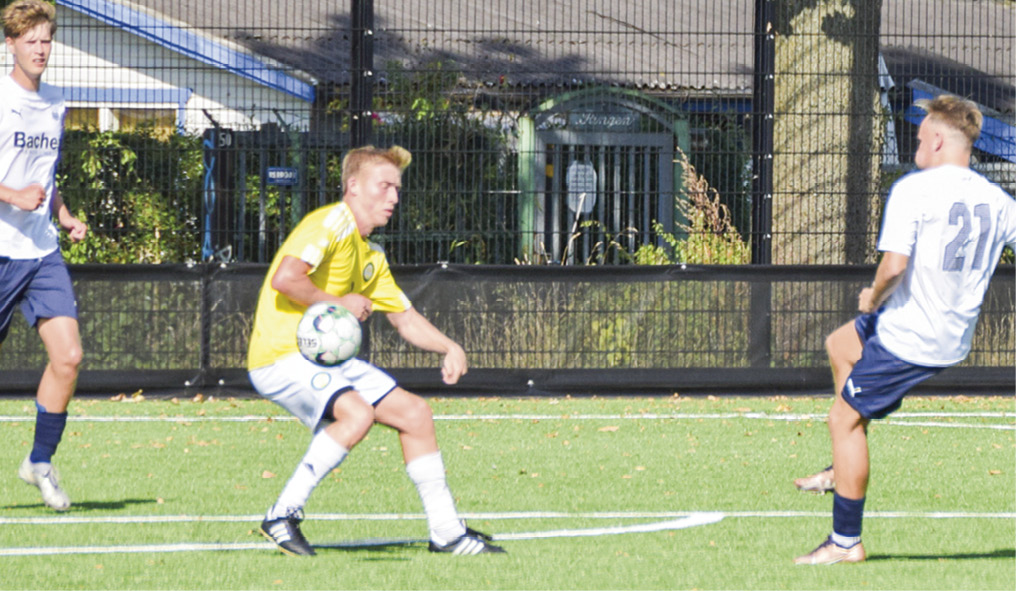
555 133
551 131
526 329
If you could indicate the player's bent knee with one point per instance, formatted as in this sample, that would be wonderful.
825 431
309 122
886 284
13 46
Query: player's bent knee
351 409
418 412
835 350
830 344
66 363
843 417
409 414
70 358
63 344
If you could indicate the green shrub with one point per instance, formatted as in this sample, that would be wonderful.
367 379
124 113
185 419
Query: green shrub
712 237
457 204
138 191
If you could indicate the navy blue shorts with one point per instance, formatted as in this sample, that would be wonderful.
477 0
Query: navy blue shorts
879 381
42 287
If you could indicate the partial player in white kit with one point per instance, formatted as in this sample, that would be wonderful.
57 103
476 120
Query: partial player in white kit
943 233
33 274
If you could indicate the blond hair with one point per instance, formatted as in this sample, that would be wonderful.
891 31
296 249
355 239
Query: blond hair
957 113
357 158
22 16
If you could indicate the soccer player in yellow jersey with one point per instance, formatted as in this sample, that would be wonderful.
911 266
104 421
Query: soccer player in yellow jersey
327 258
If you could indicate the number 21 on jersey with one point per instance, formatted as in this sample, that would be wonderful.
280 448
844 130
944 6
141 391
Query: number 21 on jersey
955 254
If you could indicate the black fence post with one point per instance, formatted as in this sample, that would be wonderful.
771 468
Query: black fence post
361 86
762 112
760 326
205 359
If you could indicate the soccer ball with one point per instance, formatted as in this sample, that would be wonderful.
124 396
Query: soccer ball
328 334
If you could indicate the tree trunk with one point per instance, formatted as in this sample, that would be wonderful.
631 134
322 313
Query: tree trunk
825 164
827 131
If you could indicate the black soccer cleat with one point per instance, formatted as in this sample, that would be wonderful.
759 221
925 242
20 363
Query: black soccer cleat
472 542
285 533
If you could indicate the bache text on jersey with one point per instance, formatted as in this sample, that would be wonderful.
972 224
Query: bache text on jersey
36 142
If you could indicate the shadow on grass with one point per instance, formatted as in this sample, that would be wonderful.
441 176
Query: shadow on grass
1000 553
90 505
387 545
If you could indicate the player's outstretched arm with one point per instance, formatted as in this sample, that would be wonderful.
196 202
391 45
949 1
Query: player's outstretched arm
419 332
888 275
76 229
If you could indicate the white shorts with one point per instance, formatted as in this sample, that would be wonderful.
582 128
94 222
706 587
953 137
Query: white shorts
304 388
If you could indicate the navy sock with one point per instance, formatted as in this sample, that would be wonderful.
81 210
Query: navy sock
49 428
847 515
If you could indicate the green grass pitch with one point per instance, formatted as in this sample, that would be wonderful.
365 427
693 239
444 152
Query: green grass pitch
168 494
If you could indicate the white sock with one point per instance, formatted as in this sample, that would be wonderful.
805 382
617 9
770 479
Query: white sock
845 541
323 455
428 474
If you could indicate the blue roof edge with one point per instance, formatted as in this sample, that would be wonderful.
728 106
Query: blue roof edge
191 45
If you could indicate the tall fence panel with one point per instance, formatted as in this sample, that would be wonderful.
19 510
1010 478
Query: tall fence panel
204 130
569 138
526 329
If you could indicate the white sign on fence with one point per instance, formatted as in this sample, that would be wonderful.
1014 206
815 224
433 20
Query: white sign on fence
581 182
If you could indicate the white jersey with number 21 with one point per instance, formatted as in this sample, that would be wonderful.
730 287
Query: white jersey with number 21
952 223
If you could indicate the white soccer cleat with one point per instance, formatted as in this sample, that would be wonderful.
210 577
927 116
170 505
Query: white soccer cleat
45 477
819 483
829 552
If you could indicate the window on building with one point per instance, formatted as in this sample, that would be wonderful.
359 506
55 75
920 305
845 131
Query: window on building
105 118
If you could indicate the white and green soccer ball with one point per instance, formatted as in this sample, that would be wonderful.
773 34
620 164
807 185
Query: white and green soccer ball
328 334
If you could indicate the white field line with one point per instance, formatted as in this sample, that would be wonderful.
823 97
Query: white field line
692 520
894 420
515 515
682 521
140 549
948 425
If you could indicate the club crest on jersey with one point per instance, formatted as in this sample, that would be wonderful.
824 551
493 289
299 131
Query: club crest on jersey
320 381
368 271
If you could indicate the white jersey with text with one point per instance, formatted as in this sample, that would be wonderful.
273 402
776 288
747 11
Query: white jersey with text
953 224
31 128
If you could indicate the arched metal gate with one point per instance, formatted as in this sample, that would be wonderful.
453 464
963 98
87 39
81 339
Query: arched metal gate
603 175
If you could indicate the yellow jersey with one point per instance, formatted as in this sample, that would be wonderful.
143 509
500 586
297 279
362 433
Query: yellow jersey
341 262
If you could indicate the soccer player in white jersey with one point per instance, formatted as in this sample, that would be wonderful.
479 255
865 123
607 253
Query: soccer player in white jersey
32 270
327 258
942 234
